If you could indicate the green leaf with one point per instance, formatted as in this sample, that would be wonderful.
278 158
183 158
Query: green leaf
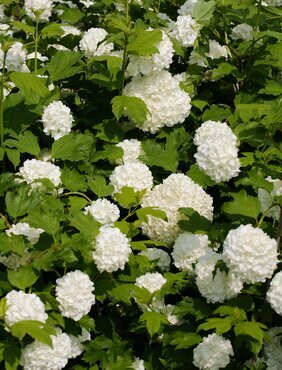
35 329
19 201
72 15
203 11
134 107
256 179
73 147
216 113
73 180
143 213
23 278
99 186
196 223
197 175
31 86
85 224
184 340
24 27
222 70
12 244
13 156
122 293
65 64
128 197
144 42
271 88
6 182
51 30
12 355
234 313
193 306
243 204
44 219
153 321
220 325
28 143
250 328
110 152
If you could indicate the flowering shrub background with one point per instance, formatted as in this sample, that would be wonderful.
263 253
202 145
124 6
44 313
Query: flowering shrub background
140 209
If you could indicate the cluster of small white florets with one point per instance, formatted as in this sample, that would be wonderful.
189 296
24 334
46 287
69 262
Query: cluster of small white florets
167 105
185 30
15 58
272 3
40 356
176 191
187 249
187 8
217 51
74 294
152 281
12 261
40 8
132 149
23 306
132 174
196 58
92 44
273 349
70 30
242 32
158 305
103 211
57 120
155 254
250 253
266 198
219 287
138 364
217 152
34 169
155 62
112 249
23 228
274 294
213 353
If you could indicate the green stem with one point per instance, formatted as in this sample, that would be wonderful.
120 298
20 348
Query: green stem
2 100
265 213
36 44
76 193
124 58
258 15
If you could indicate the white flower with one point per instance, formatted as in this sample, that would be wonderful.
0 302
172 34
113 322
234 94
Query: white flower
274 294
272 3
112 249
76 346
43 7
57 120
103 211
218 158
176 191
213 353
277 187
5 28
40 356
273 349
156 62
12 262
196 58
23 228
216 50
187 249
24 306
166 102
216 288
136 175
131 150
70 30
266 198
87 3
185 30
92 44
34 169
2 14
250 253
16 57
187 7
214 129
155 254
138 364
152 281
74 294
242 32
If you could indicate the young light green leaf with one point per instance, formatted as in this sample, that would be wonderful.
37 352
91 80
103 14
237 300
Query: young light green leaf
134 107
35 329
203 11
128 197
51 30
144 42
99 186
242 204
23 278
143 213
24 27
220 325
251 328
183 340
19 201
153 321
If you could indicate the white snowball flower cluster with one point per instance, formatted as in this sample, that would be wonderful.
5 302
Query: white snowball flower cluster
176 191
166 102
217 152
266 198
242 32
92 44
103 211
24 306
112 249
185 30
272 3
34 169
187 7
138 364
5 29
12 262
42 7
15 58
156 62
216 50
216 288
152 281
273 349
274 294
70 30
213 353
196 58
136 175
74 294
87 3
132 149
187 249
250 253
162 257
23 228
40 356
57 120
158 305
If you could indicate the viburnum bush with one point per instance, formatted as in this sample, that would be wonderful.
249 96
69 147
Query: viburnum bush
140 209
